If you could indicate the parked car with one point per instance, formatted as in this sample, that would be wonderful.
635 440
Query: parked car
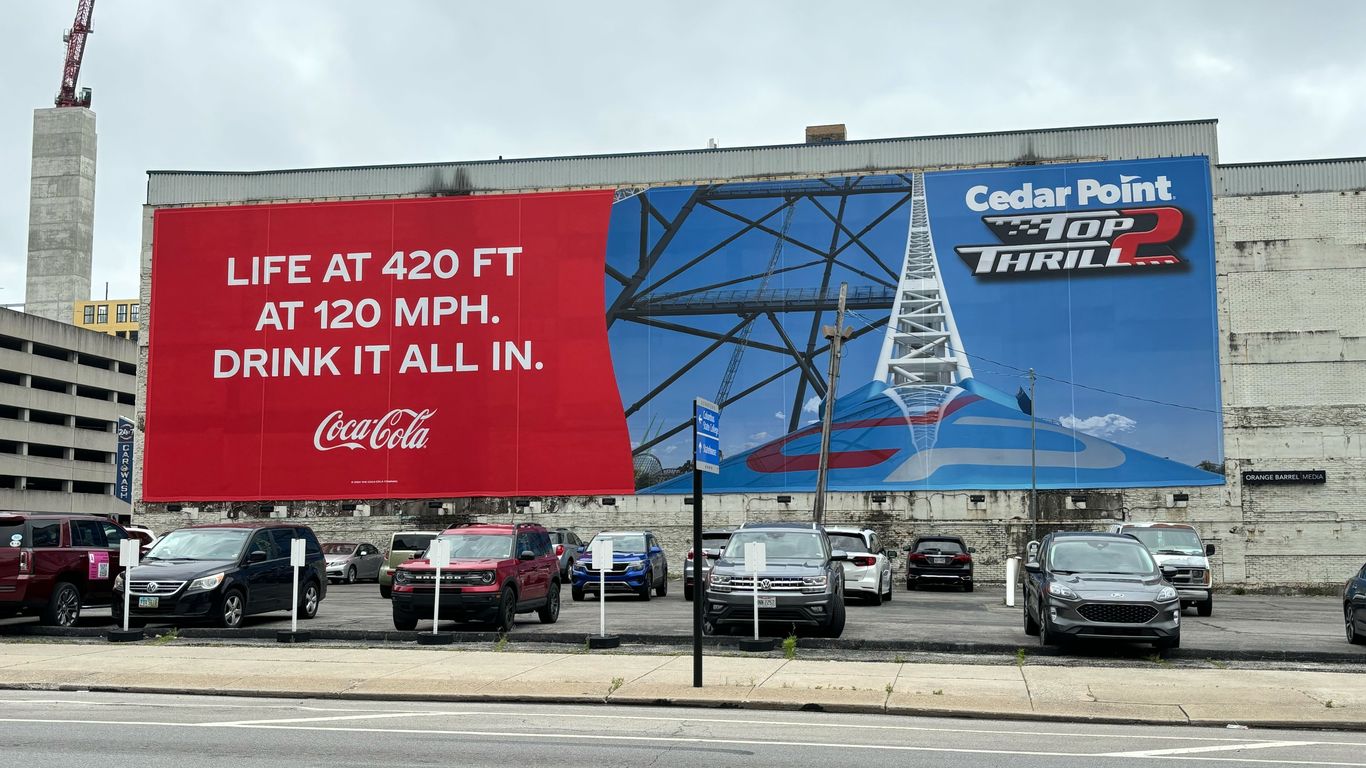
56 564
939 560
1179 545
803 583
713 542
567 546
638 565
496 572
1103 586
1354 607
403 546
351 561
145 535
223 573
868 571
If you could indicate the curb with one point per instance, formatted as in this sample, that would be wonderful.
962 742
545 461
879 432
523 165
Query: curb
733 643
699 702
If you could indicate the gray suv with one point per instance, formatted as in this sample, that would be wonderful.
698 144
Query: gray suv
803 583
1102 586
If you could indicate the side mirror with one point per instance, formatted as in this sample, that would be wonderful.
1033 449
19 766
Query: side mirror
1209 550
972 550
890 554
1033 567
580 551
712 554
256 556
839 554
527 555
907 548
1032 551
655 550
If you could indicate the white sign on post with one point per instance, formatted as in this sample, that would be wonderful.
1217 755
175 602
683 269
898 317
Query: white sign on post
439 555
603 555
296 560
129 552
756 560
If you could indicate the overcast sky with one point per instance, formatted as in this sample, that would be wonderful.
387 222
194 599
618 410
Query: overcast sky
254 84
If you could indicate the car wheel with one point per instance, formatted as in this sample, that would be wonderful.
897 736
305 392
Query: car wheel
309 600
687 592
550 612
1169 644
1353 636
576 593
644 592
385 592
910 585
663 588
835 627
1046 637
404 621
1031 627
967 586
232 609
351 575
507 611
64 606
1205 607
875 598
888 596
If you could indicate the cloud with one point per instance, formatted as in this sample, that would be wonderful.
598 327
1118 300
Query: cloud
812 405
780 415
1108 426
760 436
670 449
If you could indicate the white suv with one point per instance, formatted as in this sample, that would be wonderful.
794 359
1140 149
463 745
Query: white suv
868 571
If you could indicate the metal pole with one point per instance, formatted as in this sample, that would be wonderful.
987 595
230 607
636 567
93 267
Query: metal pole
836 336
436 600
699 592
294 610
128 587
756 604
1033 467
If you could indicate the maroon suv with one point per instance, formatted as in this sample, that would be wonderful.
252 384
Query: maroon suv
496 572
54 564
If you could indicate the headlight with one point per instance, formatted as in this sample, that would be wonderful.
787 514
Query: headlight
402 576
635 565
206 583
1058 590
1167 595
581 566
118 583
486 577
720 578
813 581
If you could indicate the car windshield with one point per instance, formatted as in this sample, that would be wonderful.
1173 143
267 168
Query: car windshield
1100 557
1168 541
338 549
849 542
200 544
779 545
411 542
622 542
479 546
939 546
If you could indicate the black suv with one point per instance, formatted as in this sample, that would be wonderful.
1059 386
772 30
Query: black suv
223 573
1104 586
939 560
802 583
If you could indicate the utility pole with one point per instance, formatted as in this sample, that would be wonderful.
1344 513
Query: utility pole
838 334
1033 467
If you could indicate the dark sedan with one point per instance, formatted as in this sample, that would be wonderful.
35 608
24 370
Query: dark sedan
1354 607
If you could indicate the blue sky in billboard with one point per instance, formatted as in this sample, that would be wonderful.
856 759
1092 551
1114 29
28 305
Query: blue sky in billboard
1146 333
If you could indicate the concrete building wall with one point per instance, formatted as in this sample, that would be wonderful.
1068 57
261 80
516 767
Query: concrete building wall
62 390
61 215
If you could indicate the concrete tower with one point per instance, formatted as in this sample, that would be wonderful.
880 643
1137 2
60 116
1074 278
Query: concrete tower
61 214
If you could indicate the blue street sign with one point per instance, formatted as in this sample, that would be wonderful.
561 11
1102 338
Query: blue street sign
707 429
123 462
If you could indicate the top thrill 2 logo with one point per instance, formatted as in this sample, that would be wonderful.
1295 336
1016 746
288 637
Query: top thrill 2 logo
1068 241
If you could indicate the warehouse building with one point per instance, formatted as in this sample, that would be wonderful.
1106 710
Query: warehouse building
1289 244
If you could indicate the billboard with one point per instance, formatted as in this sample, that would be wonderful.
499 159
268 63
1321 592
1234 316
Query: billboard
400 348
555 344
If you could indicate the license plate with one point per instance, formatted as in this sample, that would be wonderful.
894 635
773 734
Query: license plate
939 560
149 602
768 602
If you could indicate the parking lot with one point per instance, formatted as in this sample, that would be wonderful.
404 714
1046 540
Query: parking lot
1242 626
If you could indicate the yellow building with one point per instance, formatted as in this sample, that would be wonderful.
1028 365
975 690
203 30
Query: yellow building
116 317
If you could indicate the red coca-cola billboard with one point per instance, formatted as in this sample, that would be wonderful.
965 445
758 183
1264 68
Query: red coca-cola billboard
401 348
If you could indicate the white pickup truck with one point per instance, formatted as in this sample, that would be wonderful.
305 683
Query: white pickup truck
1178 546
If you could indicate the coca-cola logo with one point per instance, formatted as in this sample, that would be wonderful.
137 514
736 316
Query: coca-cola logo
399 428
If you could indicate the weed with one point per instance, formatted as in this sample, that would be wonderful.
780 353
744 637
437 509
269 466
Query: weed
899 659
617 682
938 691
888 688
1156 658
1217 663
167 636
1019 657
501 644
790 647
1329 704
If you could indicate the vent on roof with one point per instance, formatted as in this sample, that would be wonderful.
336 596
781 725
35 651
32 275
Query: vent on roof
825 134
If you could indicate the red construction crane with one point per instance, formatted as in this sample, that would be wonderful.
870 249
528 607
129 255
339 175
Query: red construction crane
75 49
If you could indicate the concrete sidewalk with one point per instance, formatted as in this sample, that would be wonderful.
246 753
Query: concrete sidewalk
1159 696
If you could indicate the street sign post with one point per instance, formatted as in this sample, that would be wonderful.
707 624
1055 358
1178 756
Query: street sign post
439 555
603 553
297 560
130 551
756 560
706 457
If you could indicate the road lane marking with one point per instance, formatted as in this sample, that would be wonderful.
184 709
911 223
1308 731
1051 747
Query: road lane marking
581 737
1219 748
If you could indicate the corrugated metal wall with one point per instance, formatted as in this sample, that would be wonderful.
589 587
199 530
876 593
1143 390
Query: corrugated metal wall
1291 177
656 168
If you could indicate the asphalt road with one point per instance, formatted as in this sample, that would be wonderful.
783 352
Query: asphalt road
1240 624
58 730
